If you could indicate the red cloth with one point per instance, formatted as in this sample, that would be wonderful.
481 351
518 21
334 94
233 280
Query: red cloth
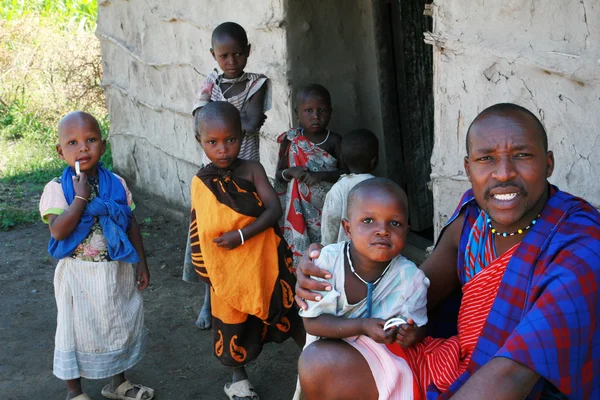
442 361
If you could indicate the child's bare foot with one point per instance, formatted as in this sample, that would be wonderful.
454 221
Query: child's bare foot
205 317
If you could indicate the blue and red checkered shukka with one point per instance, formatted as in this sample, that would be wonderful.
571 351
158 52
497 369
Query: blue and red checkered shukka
546 312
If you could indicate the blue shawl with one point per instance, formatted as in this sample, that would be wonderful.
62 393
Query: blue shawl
113 212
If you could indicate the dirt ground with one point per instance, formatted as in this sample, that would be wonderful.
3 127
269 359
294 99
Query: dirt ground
178 361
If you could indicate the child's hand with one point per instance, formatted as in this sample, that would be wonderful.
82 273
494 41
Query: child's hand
373 328
298 173
142 275
81 186
408 334
313 177
229 240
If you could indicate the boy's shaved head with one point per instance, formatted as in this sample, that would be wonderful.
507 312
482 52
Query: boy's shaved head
374 187
217 111
510 111
232 30
77 118
359 148
313 89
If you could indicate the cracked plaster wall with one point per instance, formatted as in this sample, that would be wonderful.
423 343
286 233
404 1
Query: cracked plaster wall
544 55
155 55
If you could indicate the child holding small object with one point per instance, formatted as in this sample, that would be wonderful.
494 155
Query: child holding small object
309 164
100 322
371 283
360 148
237 249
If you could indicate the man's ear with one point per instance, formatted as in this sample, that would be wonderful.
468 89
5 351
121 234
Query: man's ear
60 152
549 163
346 226
467 168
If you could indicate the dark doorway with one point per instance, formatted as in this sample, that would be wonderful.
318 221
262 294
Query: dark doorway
406 65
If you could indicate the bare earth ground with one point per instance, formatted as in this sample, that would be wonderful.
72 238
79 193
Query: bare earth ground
178 361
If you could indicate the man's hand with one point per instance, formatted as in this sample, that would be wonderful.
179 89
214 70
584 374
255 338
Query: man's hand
373 328
408 334
142 275
229 240
304 284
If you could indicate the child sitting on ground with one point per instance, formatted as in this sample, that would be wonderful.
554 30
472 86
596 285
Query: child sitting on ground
237 248
359 151
100 323
249 93
371 283
309 163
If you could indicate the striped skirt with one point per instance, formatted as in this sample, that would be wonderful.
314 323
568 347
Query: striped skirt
100 321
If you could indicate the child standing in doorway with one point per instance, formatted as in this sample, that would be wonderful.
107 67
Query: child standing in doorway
309 163
360 148
249 93
237 248
100 322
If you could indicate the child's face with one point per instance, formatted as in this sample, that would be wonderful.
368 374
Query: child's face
377 225
221 141
231 56
81 141
314 113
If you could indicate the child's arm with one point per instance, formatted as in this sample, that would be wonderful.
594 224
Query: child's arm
284 173
333 327
141 269
252 114
62 225
330 176
269 217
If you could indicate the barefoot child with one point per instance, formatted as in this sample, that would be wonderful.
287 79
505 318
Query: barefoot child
371 283
238 250
309 163
359 151
249 93
100 319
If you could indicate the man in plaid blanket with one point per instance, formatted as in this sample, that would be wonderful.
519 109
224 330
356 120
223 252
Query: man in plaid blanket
524 256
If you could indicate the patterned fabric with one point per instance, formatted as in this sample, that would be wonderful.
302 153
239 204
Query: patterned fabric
442 361
545 313
252 285
303 204
210 90
480 250
335 208
93 247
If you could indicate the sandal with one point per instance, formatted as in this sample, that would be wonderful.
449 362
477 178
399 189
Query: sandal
120 393
82 397
242 389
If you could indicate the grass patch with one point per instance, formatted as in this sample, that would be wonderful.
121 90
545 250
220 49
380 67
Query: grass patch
51 65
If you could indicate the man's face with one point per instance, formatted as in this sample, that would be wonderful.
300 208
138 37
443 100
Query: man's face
508 167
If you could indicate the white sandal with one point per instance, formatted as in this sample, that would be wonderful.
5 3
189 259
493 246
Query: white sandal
242 389
120 393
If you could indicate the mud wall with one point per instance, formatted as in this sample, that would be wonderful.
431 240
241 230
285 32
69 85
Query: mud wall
542 55
155 55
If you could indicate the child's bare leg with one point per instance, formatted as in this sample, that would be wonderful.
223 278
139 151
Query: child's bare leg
204 317
73 388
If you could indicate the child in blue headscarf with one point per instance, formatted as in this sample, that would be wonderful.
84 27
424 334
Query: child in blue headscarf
100 323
